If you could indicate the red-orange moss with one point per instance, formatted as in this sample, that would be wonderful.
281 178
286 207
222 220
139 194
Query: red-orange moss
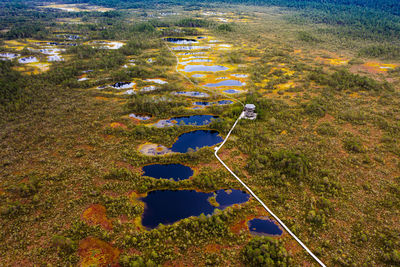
95 252
96 215
118 125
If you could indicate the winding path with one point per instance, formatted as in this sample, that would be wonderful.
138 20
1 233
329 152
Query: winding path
237 178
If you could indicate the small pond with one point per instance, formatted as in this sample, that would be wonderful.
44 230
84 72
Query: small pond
148 88
212 68
129 92
159 81
225 102
9 55
139 117
181 40
169 206
190 47
239 75
167 171
26 60
191 53
225 83
54 58
196 61
219 102
203 103
123 85
196 139
198 75
264 226
192 93
232 91
196 120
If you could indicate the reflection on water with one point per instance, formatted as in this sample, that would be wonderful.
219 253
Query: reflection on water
167 171
212 68
169 206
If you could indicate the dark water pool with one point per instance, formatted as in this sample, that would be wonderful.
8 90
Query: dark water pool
196 120
203 103
169 206
196 139
123 85
225 102
192 94
206 103
264 226
190 47
166 171
199 60
213 68
232 91
181 40
225 83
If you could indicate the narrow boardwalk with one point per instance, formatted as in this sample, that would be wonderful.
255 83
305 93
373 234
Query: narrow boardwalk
240 181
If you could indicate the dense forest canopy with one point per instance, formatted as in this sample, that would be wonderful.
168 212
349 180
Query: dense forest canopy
370 19
390 6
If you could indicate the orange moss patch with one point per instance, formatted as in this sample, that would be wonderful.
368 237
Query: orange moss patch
379 67
134 198
96 215
326 118
212 248
240 226
85 147
293 247
118 125
354 95
95 252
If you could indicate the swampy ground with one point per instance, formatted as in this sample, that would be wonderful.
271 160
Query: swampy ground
323 153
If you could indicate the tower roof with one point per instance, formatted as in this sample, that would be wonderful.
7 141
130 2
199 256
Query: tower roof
250 106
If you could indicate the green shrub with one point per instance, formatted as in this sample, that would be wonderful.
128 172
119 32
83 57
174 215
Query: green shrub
320 212
315 107
352 144
122 174
307 37
290 163
121 206
384 51
327 129
225 27
343 80
265 251
63 244
26 189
